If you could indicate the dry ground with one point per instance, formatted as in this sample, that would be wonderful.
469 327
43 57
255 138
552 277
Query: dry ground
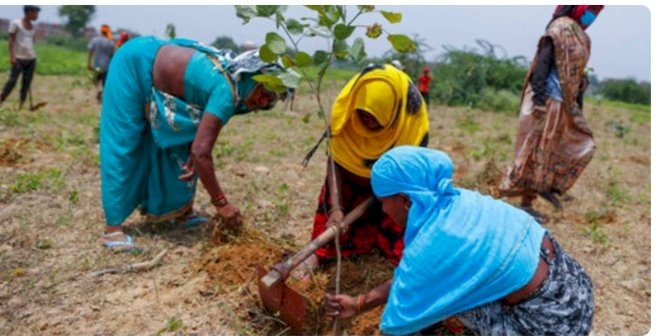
51 217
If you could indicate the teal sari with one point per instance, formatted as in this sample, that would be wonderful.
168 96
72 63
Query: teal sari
145 134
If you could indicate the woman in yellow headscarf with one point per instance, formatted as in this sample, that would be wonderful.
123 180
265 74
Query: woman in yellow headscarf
378 109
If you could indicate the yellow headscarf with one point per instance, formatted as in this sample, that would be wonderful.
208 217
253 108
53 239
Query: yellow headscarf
383 93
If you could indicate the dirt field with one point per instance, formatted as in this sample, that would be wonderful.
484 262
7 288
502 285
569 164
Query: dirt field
51 218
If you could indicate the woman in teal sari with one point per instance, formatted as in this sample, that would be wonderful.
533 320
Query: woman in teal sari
164 105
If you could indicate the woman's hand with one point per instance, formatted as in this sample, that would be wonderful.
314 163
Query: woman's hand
340 306
188 170
230 214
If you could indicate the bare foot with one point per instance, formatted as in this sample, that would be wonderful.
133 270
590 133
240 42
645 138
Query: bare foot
304 271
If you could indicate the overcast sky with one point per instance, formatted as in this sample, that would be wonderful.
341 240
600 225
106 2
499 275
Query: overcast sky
621 36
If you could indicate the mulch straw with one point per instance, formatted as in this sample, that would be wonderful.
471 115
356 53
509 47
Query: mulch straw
231 275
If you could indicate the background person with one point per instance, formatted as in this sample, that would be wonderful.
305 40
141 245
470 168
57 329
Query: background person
22 56
554 143
101 48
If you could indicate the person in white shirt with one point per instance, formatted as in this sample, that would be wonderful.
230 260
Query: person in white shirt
21 53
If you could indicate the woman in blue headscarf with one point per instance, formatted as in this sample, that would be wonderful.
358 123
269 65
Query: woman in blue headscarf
468 255
164 105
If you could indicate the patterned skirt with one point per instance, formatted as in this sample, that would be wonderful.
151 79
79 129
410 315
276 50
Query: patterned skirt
551 152
564 305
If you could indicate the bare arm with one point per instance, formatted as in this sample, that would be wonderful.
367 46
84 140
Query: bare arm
12 39
202 160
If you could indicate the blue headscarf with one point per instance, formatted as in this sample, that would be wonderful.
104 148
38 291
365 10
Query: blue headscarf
462 249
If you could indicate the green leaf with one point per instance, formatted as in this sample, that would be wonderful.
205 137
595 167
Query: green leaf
317 8
343 31
402 43
392 17
287 61
246 12
340 49
320 56
290 78
306 117
356 51
266 54
275 43
303 59
294 27
330 16
374 31
266 11
366 8
271 82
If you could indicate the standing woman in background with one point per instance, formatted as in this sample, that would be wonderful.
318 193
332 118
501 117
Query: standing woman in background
554 143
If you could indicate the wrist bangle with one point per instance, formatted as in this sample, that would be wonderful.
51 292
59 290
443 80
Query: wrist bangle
360 302
219 200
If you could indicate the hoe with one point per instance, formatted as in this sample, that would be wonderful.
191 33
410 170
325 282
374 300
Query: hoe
282 300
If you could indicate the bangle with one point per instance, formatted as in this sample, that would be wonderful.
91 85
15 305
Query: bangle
360 302
219 200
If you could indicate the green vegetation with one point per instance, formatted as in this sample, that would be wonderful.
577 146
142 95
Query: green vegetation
625 90
26 182
479 78
76 17
52 60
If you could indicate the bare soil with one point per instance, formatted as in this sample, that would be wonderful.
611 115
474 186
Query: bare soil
51 219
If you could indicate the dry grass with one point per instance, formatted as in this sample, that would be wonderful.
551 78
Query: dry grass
51 217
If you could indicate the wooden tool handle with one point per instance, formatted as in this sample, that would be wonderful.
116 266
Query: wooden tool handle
281 270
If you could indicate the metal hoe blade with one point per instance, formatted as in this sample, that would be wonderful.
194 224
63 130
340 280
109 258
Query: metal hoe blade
280 299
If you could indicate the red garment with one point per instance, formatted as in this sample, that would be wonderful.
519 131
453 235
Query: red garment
374 230
424 82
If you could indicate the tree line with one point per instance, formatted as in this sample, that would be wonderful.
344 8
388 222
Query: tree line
484 77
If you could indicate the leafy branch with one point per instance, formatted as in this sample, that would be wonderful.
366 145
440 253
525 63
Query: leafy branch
329 22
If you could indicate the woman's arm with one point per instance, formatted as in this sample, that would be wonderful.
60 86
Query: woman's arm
201 154
540 74
345 306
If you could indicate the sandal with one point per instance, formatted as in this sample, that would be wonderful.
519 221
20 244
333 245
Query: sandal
191 221
125 245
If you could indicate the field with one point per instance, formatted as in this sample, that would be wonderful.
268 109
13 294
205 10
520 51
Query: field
51 218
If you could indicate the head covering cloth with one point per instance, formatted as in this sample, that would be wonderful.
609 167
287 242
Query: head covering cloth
388 95
106 31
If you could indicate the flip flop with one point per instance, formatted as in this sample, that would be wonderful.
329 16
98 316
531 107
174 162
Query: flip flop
126 245
191 221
